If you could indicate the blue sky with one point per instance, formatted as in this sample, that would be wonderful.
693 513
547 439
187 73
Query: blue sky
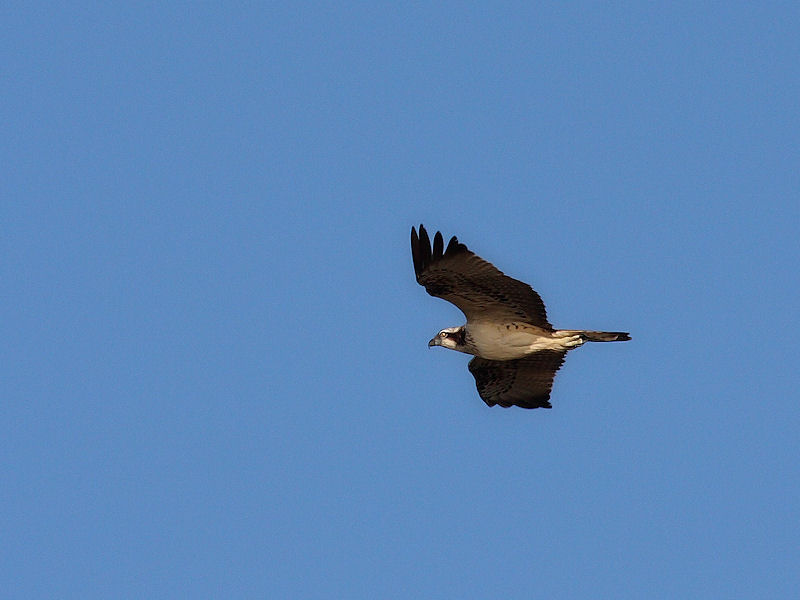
214 372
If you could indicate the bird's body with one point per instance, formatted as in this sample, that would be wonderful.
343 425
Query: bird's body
517 352
515 339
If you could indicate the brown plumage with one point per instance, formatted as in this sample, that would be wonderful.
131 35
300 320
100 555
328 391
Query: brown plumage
517 352
525 382
474 285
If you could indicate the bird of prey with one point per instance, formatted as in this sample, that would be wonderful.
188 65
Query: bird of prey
516 350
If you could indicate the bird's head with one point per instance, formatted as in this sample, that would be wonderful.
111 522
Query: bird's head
451 337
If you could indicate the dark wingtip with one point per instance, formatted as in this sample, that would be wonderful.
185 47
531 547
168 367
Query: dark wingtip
415 253
422 253
454 246
541 402
438 245
424 248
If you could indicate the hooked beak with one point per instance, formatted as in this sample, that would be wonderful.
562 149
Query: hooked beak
434 342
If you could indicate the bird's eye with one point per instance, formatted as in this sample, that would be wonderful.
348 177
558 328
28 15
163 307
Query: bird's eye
443 334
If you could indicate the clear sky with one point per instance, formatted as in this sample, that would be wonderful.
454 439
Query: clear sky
215 377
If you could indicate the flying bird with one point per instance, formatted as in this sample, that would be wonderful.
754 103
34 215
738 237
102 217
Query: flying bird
516 350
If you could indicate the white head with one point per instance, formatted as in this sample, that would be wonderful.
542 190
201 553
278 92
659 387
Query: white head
451 337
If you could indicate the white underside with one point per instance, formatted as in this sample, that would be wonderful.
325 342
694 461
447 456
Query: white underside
506 342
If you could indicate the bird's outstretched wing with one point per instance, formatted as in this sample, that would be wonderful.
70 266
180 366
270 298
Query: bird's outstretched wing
524 382
477 287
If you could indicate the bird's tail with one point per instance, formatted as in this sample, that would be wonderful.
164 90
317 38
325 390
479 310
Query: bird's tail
606 336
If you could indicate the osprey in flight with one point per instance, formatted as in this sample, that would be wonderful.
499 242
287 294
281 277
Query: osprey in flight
517 352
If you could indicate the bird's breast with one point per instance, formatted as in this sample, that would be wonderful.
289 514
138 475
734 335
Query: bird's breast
507 341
